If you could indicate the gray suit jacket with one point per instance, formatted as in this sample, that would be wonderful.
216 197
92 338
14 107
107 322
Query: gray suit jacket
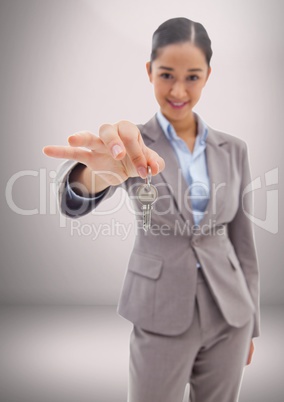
159 286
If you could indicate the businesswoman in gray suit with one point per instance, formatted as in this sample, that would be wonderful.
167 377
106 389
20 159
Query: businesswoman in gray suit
191 289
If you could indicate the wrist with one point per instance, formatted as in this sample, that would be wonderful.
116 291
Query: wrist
84 182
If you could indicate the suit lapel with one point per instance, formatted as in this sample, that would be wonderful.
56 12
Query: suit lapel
218 165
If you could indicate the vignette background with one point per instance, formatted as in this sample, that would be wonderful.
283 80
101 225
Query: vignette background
73 65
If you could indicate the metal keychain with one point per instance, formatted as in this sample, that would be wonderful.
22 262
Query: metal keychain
147 194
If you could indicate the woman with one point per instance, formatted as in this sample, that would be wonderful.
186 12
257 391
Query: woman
192 287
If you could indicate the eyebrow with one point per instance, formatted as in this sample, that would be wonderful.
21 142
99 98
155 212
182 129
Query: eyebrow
191 70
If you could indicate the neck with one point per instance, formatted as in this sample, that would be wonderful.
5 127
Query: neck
186 127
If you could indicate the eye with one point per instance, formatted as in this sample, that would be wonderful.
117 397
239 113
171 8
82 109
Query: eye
192 78
166 76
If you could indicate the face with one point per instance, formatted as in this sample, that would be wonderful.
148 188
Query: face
178 75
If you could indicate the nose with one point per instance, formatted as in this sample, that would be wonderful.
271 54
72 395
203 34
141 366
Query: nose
178 90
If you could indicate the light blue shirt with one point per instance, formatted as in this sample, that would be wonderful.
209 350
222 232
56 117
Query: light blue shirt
193 165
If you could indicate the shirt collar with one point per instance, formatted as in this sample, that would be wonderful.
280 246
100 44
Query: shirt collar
169 131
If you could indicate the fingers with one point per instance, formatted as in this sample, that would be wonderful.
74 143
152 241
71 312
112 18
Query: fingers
111 139
76 154
156 163
134 145
124 138
121 140
87 140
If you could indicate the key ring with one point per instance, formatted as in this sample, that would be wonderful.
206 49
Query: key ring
148 178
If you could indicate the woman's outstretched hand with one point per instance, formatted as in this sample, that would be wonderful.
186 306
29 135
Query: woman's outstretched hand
117 154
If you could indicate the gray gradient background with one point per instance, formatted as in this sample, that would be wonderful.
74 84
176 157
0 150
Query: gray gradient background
73 65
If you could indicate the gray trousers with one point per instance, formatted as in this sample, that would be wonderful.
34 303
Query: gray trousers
210 356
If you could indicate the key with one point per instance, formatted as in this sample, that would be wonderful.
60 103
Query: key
147 194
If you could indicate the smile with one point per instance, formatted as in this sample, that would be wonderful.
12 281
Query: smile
177 105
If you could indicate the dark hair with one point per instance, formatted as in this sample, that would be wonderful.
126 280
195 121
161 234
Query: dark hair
178 30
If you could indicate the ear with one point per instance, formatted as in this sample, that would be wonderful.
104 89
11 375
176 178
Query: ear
148 68
208 73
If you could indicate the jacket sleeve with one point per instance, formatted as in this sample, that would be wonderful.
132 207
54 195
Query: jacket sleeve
70 203
241 234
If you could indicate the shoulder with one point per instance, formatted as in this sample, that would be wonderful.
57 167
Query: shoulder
225 137
236 146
